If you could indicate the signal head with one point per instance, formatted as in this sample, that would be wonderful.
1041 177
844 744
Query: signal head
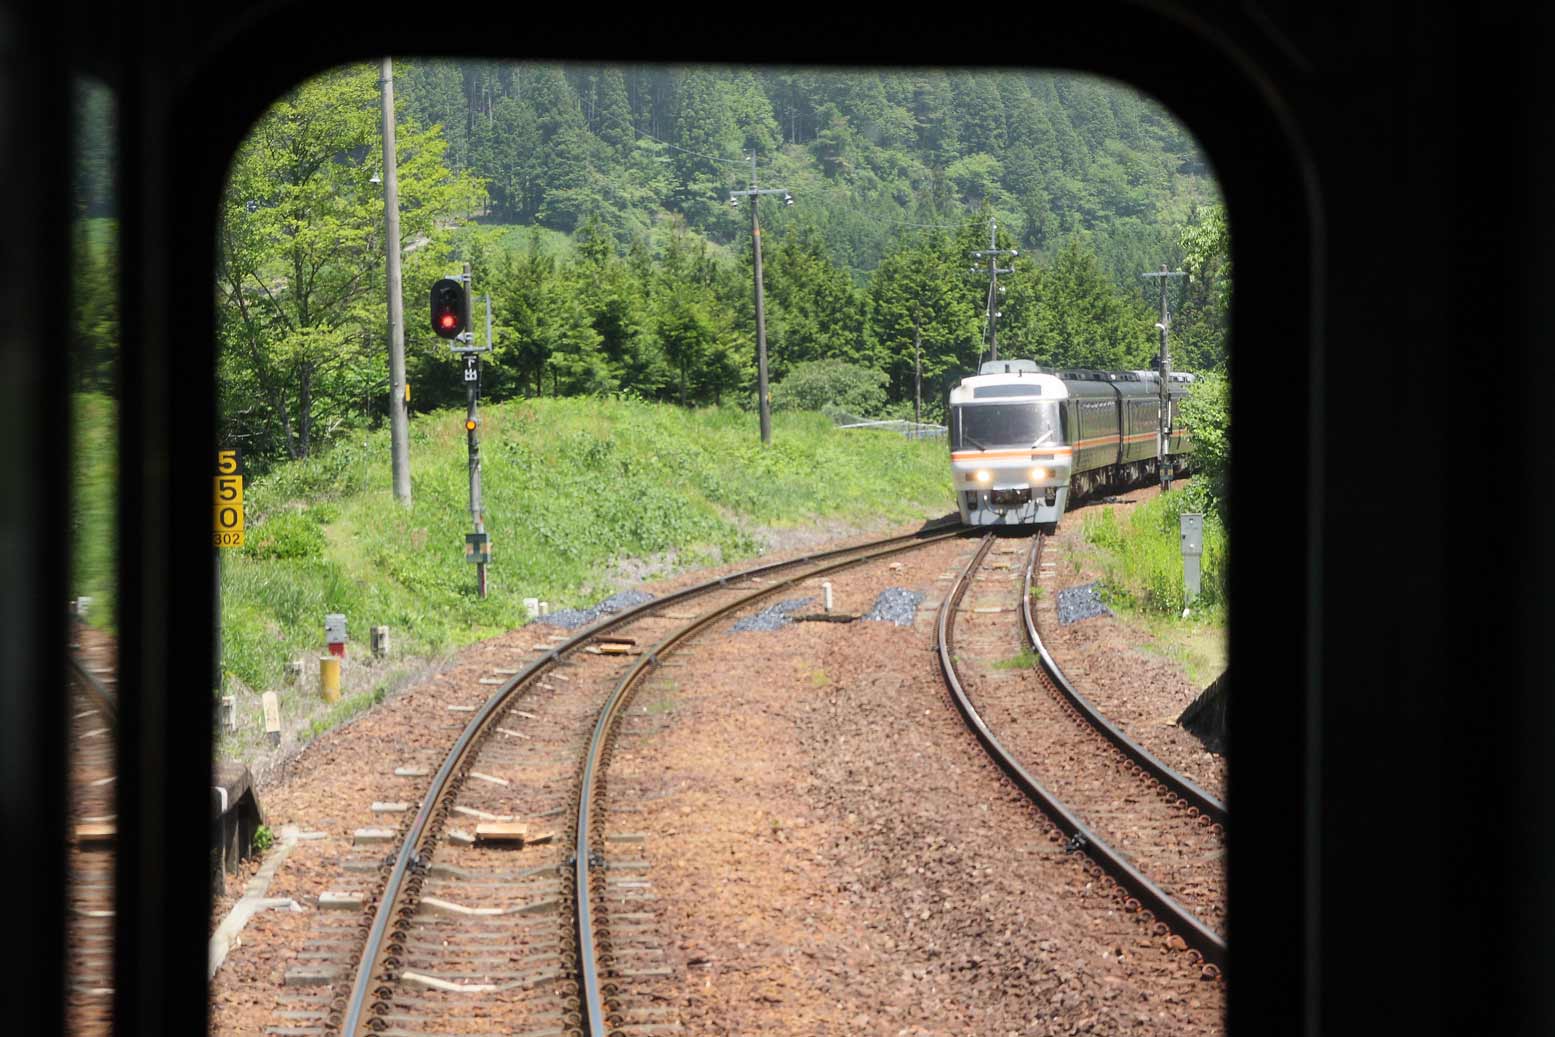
450 308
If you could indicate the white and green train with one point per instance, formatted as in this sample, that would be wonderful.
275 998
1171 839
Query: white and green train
1025 441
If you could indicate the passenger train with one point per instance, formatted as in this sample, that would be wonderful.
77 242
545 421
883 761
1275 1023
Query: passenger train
1024 441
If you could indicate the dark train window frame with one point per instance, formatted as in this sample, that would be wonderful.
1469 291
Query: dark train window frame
182 79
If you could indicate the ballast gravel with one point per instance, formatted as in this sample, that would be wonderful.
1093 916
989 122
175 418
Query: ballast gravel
571 619
1122 669
772 617
896 605
1082 602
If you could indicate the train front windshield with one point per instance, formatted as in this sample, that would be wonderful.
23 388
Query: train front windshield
983 426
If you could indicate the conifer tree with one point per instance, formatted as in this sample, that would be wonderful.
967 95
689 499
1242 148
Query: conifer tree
705 135
1072 315
919 311
613 116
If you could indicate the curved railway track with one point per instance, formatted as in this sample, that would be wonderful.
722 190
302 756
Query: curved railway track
1054 678
1161 823
583 959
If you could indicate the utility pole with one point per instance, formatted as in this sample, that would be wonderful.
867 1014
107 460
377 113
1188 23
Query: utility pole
1163 462
399 431
917 374
763 403
993 252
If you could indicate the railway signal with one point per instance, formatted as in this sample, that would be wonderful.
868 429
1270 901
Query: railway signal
451 319
450 308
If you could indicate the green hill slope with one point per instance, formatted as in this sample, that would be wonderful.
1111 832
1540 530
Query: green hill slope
573 488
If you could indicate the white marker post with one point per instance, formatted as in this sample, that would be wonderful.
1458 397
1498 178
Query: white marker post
1192 550
272 706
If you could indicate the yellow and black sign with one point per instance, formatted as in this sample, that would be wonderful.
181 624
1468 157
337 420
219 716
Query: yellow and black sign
229 499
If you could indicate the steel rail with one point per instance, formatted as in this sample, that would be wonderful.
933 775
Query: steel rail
94 688
437 792
1208 805
1165 909
587 952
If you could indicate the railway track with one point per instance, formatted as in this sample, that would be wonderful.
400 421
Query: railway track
510 897
90 859
1153 836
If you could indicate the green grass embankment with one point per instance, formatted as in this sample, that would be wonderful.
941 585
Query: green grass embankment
571 486
94 496
1139 554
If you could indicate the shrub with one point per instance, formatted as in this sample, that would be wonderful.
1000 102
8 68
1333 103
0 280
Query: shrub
1142 556
1207 412
821 384
289 534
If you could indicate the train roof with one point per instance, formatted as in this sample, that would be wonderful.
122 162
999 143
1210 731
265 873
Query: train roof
1025 383
1006 380
1090 374
1155 376
1092 382
1008 367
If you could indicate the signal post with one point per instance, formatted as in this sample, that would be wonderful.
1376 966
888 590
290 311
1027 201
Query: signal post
451 320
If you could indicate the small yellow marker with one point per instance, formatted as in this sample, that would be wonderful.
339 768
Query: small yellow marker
329 678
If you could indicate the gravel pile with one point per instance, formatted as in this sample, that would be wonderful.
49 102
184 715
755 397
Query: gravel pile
1077 603
895 605
571 619
773 616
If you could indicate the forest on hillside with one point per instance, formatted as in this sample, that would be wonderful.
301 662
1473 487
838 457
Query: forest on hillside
593 204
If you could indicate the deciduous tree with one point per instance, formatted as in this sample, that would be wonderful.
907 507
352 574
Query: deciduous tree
300 281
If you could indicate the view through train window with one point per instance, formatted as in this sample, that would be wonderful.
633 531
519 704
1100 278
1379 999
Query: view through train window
93 668
505 426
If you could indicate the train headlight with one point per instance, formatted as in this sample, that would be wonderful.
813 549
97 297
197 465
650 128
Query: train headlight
1038 474
983 475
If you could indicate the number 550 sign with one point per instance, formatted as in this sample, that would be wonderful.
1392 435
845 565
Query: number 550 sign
229 499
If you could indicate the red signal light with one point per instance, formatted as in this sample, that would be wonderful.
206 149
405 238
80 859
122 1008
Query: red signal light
450 308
